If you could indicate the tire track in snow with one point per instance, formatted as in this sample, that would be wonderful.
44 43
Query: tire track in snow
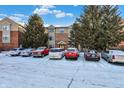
71 81
68 86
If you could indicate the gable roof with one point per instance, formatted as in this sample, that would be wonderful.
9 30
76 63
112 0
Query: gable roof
10 20
61 42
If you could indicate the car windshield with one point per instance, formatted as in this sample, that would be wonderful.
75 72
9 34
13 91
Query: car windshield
71 50
40 48
92 51
21 48
56 50
13 49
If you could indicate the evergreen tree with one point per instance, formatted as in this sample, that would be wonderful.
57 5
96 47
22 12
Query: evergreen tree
73 42
34 35
111 25
90 26
100 27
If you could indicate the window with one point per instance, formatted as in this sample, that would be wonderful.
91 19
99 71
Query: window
0 27
62 30
6 27
50 38
51 30
50 46
6 39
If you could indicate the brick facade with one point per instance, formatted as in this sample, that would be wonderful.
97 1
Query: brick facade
61 37
14 41
15 35
58 36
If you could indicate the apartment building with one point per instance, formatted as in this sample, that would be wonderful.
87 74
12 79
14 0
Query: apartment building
58 36
10 34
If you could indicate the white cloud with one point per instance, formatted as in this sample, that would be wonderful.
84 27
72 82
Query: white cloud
44 10
46 25
41 11
48 6
75 5
20 15
69 14
19 18
3 15
61 14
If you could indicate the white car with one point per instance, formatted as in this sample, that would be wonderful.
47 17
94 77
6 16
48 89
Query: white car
15 52
56 53
26 52
113 56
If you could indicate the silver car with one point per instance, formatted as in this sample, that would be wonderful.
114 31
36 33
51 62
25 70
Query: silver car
15 51
26 52
56 53
113 56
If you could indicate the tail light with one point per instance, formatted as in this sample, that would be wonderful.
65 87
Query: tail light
113 56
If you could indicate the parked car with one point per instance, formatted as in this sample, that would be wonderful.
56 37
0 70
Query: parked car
72 53
41 51
113 56
15 51
56 53
92 55
26 52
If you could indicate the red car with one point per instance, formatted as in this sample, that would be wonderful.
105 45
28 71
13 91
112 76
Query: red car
72 53
41 51
92 55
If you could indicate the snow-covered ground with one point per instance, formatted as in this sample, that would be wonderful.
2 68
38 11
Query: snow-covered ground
42 72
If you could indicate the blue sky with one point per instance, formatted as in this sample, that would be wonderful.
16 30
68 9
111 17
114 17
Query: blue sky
59 15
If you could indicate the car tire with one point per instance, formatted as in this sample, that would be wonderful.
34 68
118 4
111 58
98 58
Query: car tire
108 60
76 58
66 58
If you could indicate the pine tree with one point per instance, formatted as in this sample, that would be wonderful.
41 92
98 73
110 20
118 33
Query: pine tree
90 26
100 27
34 35
111 24
73 42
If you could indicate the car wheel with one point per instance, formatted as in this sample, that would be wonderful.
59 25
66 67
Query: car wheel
66 58
76 58
108 60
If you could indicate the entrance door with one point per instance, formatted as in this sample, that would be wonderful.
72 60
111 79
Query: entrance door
62 46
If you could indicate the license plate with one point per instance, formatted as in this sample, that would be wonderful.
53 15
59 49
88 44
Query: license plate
93 55
121 57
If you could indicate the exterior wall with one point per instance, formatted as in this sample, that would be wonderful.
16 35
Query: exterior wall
14 42
121 44
51 36
15 34
0 40
62 37
58 36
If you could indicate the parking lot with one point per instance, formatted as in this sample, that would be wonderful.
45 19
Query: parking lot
42 72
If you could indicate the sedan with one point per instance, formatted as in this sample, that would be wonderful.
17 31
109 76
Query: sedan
56 53
26 52
41 51
92 55
15 51
72 53
113 56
